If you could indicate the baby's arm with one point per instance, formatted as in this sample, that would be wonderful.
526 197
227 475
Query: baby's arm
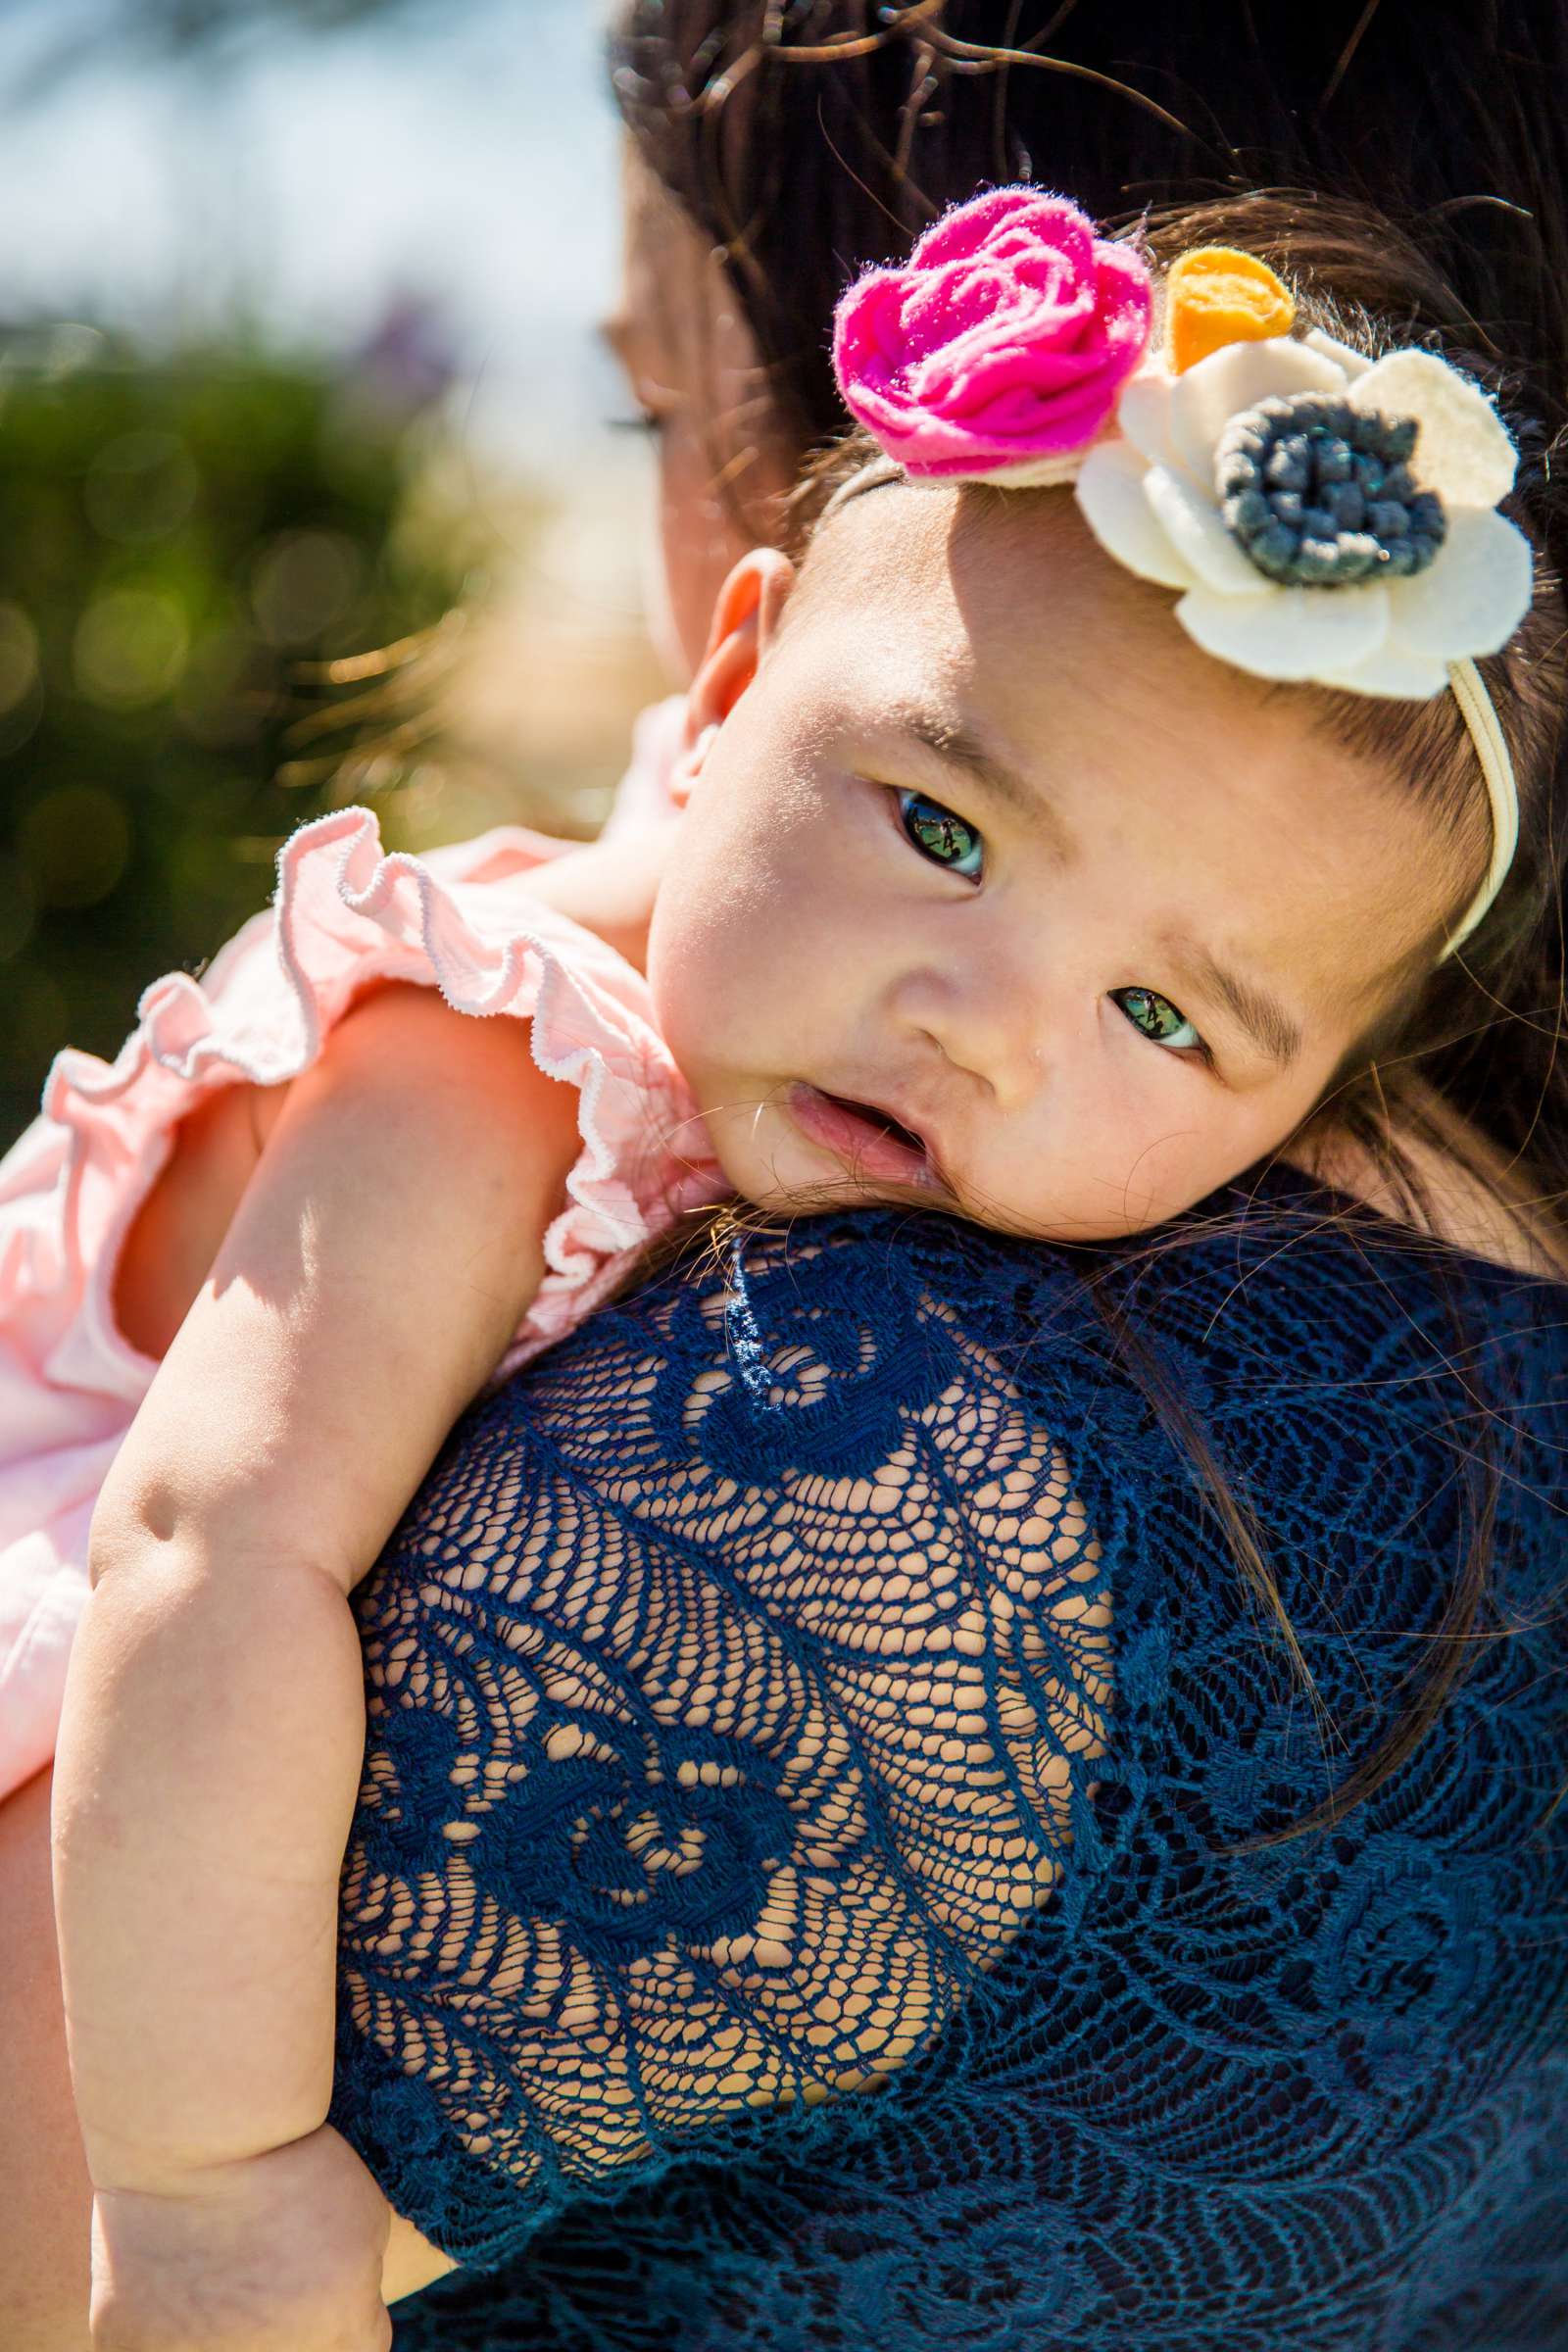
380 1259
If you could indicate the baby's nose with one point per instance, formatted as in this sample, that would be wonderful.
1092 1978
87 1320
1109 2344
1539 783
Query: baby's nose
986 1020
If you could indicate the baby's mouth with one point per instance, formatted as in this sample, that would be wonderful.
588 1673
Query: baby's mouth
871 1142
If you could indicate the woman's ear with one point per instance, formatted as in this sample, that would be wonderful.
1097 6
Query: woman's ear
751 604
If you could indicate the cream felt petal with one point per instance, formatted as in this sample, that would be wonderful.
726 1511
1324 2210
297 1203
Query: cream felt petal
1192 524
1391 670
1474 597
1110 491
1287 632
1462 450
1143 415
1353 363
1203 400
1037 473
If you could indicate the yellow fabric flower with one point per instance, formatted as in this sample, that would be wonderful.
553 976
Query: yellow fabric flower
1214 296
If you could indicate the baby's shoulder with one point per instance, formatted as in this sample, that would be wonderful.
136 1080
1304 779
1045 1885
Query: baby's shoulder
399 1041
177 1231
405 1033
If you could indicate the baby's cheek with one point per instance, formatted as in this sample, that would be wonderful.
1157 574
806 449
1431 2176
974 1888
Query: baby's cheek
1097 1168
1178 1165
705 981
759 954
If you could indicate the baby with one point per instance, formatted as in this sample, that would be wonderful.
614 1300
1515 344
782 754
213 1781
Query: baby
997 887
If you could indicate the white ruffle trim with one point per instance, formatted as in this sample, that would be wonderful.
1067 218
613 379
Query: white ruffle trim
347 914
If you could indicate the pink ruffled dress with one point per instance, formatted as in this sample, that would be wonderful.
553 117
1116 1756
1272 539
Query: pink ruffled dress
461 920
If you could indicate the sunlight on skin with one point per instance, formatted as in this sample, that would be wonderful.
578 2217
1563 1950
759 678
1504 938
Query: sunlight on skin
45 2192
1137 823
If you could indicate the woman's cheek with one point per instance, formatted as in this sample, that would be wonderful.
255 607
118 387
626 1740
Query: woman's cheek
697 545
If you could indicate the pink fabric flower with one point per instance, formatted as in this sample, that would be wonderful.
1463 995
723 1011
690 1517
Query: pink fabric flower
997 351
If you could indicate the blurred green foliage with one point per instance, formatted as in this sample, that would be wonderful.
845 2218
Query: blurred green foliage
177 540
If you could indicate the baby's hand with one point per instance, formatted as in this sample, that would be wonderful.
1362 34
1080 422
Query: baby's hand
281 2253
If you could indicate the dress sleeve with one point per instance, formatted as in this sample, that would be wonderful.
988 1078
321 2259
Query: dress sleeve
738 1687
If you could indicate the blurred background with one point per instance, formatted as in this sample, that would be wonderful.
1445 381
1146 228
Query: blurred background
310 483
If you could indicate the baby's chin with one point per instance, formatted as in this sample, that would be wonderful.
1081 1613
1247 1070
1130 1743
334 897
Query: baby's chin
1066 1228
777 1192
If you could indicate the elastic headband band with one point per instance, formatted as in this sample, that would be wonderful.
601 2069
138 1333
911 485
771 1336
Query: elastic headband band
1480 715
1476 709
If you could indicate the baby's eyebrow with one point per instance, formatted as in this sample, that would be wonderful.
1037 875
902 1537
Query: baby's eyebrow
957 746
1255 1009
1258 1010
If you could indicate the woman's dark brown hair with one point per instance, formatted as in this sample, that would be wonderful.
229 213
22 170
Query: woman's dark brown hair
807 138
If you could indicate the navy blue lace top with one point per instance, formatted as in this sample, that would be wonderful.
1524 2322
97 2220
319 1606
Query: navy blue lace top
812 1887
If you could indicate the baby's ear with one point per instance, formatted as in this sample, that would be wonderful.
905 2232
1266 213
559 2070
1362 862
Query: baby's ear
749 607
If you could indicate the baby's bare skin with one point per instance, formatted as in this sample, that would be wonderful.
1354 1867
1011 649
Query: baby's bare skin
45 2194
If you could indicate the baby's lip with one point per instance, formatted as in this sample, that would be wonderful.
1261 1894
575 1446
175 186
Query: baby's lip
855 1129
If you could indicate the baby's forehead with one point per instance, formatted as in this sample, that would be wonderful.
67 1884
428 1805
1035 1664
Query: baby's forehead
870 536
1013 572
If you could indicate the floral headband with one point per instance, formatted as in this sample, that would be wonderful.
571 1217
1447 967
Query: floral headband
1328 517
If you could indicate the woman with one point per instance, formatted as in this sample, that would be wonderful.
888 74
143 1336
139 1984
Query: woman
1310 1985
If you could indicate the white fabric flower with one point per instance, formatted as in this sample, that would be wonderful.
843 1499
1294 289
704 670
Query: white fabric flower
1151 500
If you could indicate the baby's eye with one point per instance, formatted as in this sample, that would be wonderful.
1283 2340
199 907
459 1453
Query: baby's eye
941 836
1154 1017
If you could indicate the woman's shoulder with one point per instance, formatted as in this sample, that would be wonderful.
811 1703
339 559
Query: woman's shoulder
832 1609
1316 1356
1279 1270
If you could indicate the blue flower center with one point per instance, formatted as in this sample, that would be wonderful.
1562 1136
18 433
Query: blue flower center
1319 494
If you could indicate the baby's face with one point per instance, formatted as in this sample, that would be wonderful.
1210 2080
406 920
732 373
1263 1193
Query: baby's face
992 887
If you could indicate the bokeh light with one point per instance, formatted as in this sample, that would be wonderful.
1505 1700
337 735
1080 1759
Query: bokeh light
305 583
131 648
21 678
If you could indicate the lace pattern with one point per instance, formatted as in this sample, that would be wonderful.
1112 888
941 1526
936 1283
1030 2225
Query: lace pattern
732 1789
685 1815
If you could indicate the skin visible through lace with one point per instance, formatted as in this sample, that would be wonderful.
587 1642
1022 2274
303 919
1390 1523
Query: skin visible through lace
922 1686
